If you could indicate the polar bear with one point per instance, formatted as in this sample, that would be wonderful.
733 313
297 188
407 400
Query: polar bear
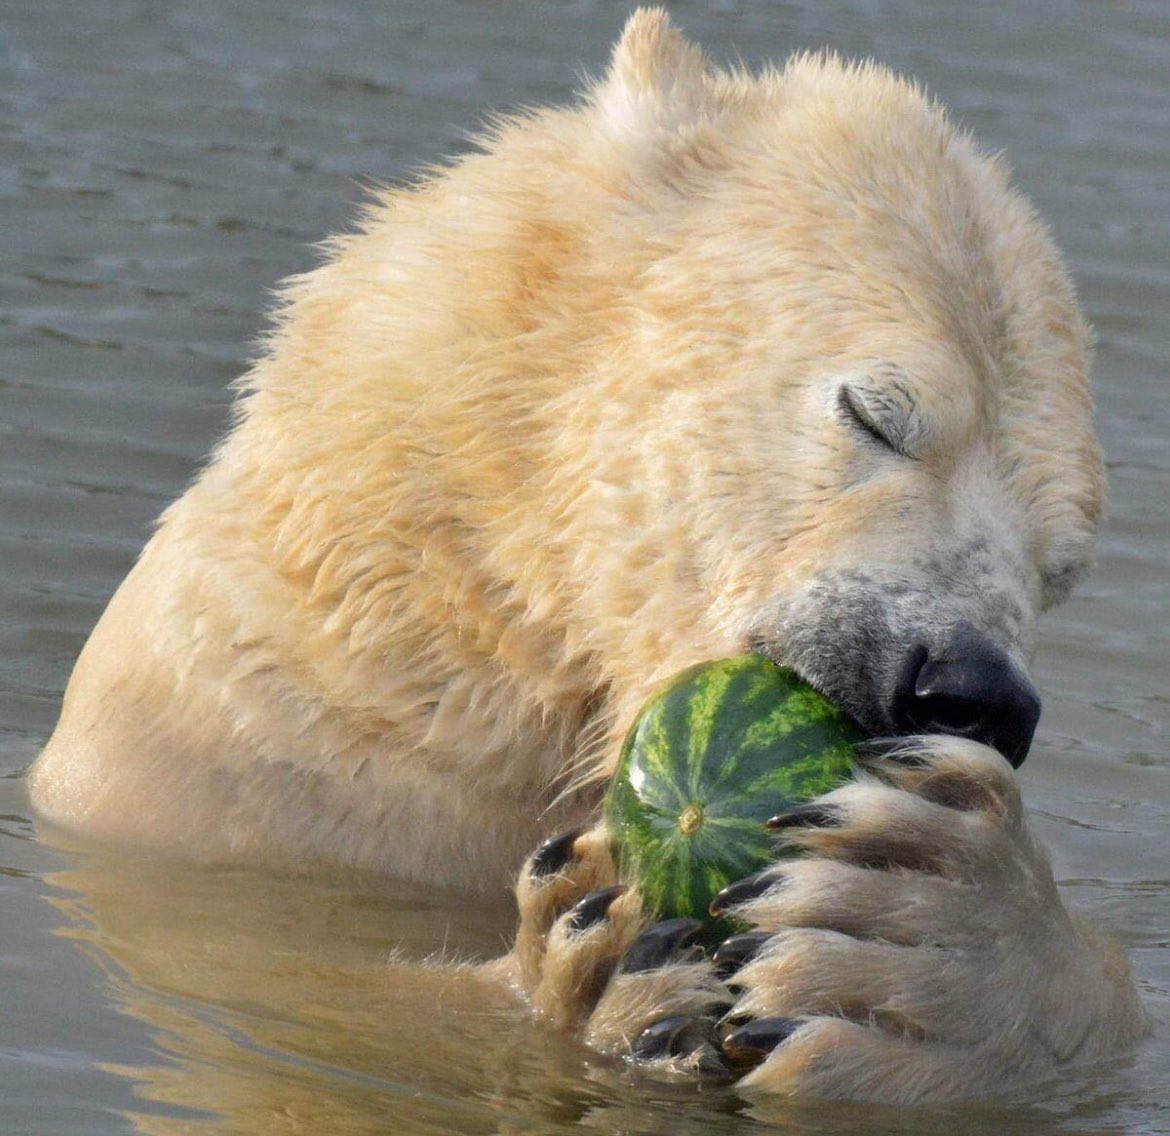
709 363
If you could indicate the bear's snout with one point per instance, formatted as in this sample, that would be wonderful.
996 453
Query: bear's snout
970 688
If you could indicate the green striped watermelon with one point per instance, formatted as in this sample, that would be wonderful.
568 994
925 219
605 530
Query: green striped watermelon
719 749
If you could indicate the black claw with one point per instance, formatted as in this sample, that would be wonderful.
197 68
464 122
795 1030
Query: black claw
554 853
653 948
735 952
593 908
732 1019
752 887
808 816
903 751
751 1044
672 1037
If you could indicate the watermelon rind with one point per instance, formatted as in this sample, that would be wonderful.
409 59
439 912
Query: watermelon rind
717 750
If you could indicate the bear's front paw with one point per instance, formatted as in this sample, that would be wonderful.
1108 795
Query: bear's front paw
589 960
919 948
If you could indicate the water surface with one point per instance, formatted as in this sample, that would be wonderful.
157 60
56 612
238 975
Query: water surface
166 164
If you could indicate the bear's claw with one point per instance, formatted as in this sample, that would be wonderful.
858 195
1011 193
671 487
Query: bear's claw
912 751
751 1044
554 853
749 888
687 1039
738 950
655 947
593 908
808 816
672 1037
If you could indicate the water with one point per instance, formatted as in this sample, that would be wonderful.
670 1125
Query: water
165 165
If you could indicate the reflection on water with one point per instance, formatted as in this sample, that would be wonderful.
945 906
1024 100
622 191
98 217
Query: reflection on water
285 1005
166 164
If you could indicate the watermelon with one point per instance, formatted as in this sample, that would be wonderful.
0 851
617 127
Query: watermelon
716 751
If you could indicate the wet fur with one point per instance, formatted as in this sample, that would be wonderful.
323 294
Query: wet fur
919 948
565 418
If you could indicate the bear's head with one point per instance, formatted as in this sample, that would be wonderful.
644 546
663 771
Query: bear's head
850 383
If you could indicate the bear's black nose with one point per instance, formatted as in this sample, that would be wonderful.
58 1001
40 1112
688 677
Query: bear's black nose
970 688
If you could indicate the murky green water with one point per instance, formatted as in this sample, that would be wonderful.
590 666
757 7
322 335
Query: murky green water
166 163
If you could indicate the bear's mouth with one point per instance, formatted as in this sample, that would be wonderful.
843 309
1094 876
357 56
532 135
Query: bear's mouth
957 682
758 646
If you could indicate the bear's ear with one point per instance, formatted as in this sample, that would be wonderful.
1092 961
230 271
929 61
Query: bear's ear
657 81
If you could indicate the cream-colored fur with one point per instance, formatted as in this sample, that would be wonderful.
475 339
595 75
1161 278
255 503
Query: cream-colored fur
561 420
951 972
